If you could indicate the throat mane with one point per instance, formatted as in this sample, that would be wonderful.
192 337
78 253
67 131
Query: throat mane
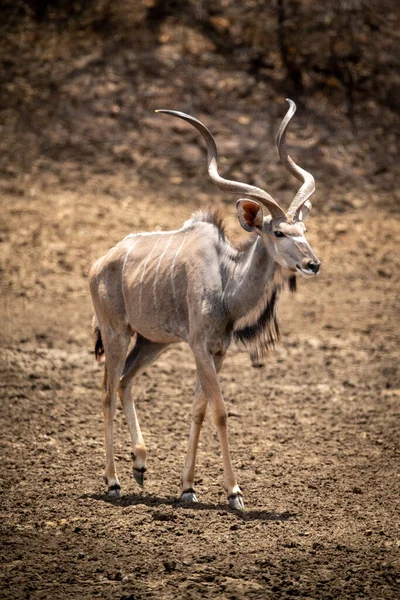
258 331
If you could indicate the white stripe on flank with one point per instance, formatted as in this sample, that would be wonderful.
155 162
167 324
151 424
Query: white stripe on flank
157 271
143 274
147 233
173 267
127 254
186 225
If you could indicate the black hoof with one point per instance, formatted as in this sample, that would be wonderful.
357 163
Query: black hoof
114 491
139 475
236 501
189 496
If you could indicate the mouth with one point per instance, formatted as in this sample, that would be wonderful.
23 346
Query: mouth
305 272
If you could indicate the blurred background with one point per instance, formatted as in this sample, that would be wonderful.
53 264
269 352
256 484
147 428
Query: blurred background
81 80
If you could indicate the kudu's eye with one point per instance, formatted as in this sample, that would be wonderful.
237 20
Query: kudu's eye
279 234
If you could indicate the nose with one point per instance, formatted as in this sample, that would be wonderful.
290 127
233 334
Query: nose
314 266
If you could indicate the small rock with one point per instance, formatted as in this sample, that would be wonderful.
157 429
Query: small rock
169 566
382 272
341 228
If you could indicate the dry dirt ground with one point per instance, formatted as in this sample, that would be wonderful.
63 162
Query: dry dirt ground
314 435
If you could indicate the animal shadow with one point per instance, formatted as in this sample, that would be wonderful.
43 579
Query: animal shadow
158 501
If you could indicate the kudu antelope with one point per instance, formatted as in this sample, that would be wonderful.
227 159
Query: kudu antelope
192 285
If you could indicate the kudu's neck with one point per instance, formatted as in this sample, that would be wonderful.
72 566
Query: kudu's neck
250 272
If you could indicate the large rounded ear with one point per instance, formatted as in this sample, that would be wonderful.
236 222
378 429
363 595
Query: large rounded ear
250 215
304 210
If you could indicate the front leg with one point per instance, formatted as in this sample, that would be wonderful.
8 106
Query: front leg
208 377
198 413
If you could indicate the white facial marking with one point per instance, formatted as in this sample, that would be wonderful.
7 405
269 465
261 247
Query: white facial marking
298 238
173 266
157 271
143 274
305 272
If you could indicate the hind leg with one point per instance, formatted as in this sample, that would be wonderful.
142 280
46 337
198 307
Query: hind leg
115 347
142 355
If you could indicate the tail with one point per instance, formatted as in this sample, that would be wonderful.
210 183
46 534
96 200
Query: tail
98 346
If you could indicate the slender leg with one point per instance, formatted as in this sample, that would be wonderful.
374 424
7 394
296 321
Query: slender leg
209 382
198 413
115 351
142 354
